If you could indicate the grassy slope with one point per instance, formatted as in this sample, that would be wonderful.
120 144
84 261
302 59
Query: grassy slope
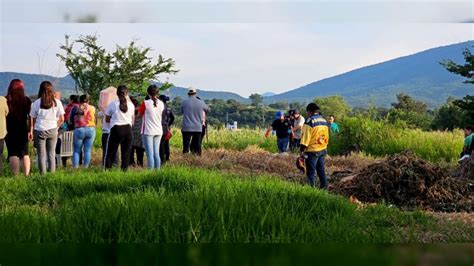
192 205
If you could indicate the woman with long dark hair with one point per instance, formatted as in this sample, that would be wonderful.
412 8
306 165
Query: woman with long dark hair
18 127
152 111
83 118
47 114
120 114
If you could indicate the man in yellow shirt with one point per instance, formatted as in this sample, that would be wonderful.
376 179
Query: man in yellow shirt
313 147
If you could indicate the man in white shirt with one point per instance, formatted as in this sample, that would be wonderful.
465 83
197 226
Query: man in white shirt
297 125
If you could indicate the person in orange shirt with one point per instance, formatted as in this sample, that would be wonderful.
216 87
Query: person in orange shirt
313 146
83 118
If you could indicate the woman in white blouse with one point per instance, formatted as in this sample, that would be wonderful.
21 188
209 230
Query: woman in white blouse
152 130
120 115
47 114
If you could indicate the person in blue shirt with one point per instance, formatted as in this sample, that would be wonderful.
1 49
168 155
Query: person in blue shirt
333 125
281 125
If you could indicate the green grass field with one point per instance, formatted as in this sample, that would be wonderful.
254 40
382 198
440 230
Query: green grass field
371 138
193 205
376 138
179 205
380 138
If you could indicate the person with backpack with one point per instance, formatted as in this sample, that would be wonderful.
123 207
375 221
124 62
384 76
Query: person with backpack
83 118
166 122
313 146
152 130
47 115
73 101
121 115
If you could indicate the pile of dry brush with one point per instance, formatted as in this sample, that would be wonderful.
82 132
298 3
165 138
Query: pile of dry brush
409 182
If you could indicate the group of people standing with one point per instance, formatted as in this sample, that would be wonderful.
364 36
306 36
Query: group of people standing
22 121
135 128
132 127
310 137
289 129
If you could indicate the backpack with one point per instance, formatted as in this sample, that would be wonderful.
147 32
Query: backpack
166 115
82 117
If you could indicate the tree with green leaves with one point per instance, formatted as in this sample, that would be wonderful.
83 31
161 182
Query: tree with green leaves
450 116
413 112
279 106
256 99
467 71
93 68
408 104
333 105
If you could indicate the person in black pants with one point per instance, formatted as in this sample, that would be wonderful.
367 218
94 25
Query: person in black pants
137 145
167 122
193 119
192 142
120 115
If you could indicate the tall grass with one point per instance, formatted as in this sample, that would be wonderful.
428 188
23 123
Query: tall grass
380 138
235 140
377 138
190 205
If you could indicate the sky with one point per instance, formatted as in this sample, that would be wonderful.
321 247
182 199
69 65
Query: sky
242 47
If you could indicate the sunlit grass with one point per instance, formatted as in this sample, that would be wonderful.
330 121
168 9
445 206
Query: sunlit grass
178 205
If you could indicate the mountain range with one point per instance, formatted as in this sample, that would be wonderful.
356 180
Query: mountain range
67 86
419 75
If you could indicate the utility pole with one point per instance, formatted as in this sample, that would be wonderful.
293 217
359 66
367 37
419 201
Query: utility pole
226 118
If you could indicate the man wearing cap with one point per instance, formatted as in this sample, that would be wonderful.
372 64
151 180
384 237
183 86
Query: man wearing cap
297 122
193 110
283 130
313 146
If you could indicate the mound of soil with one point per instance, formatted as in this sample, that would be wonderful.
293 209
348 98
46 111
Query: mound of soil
409 182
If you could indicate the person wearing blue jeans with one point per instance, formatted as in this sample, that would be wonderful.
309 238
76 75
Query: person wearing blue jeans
315 165
282 126
83 137
46 115
313 146
283 144
83 118
152 129
152 150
